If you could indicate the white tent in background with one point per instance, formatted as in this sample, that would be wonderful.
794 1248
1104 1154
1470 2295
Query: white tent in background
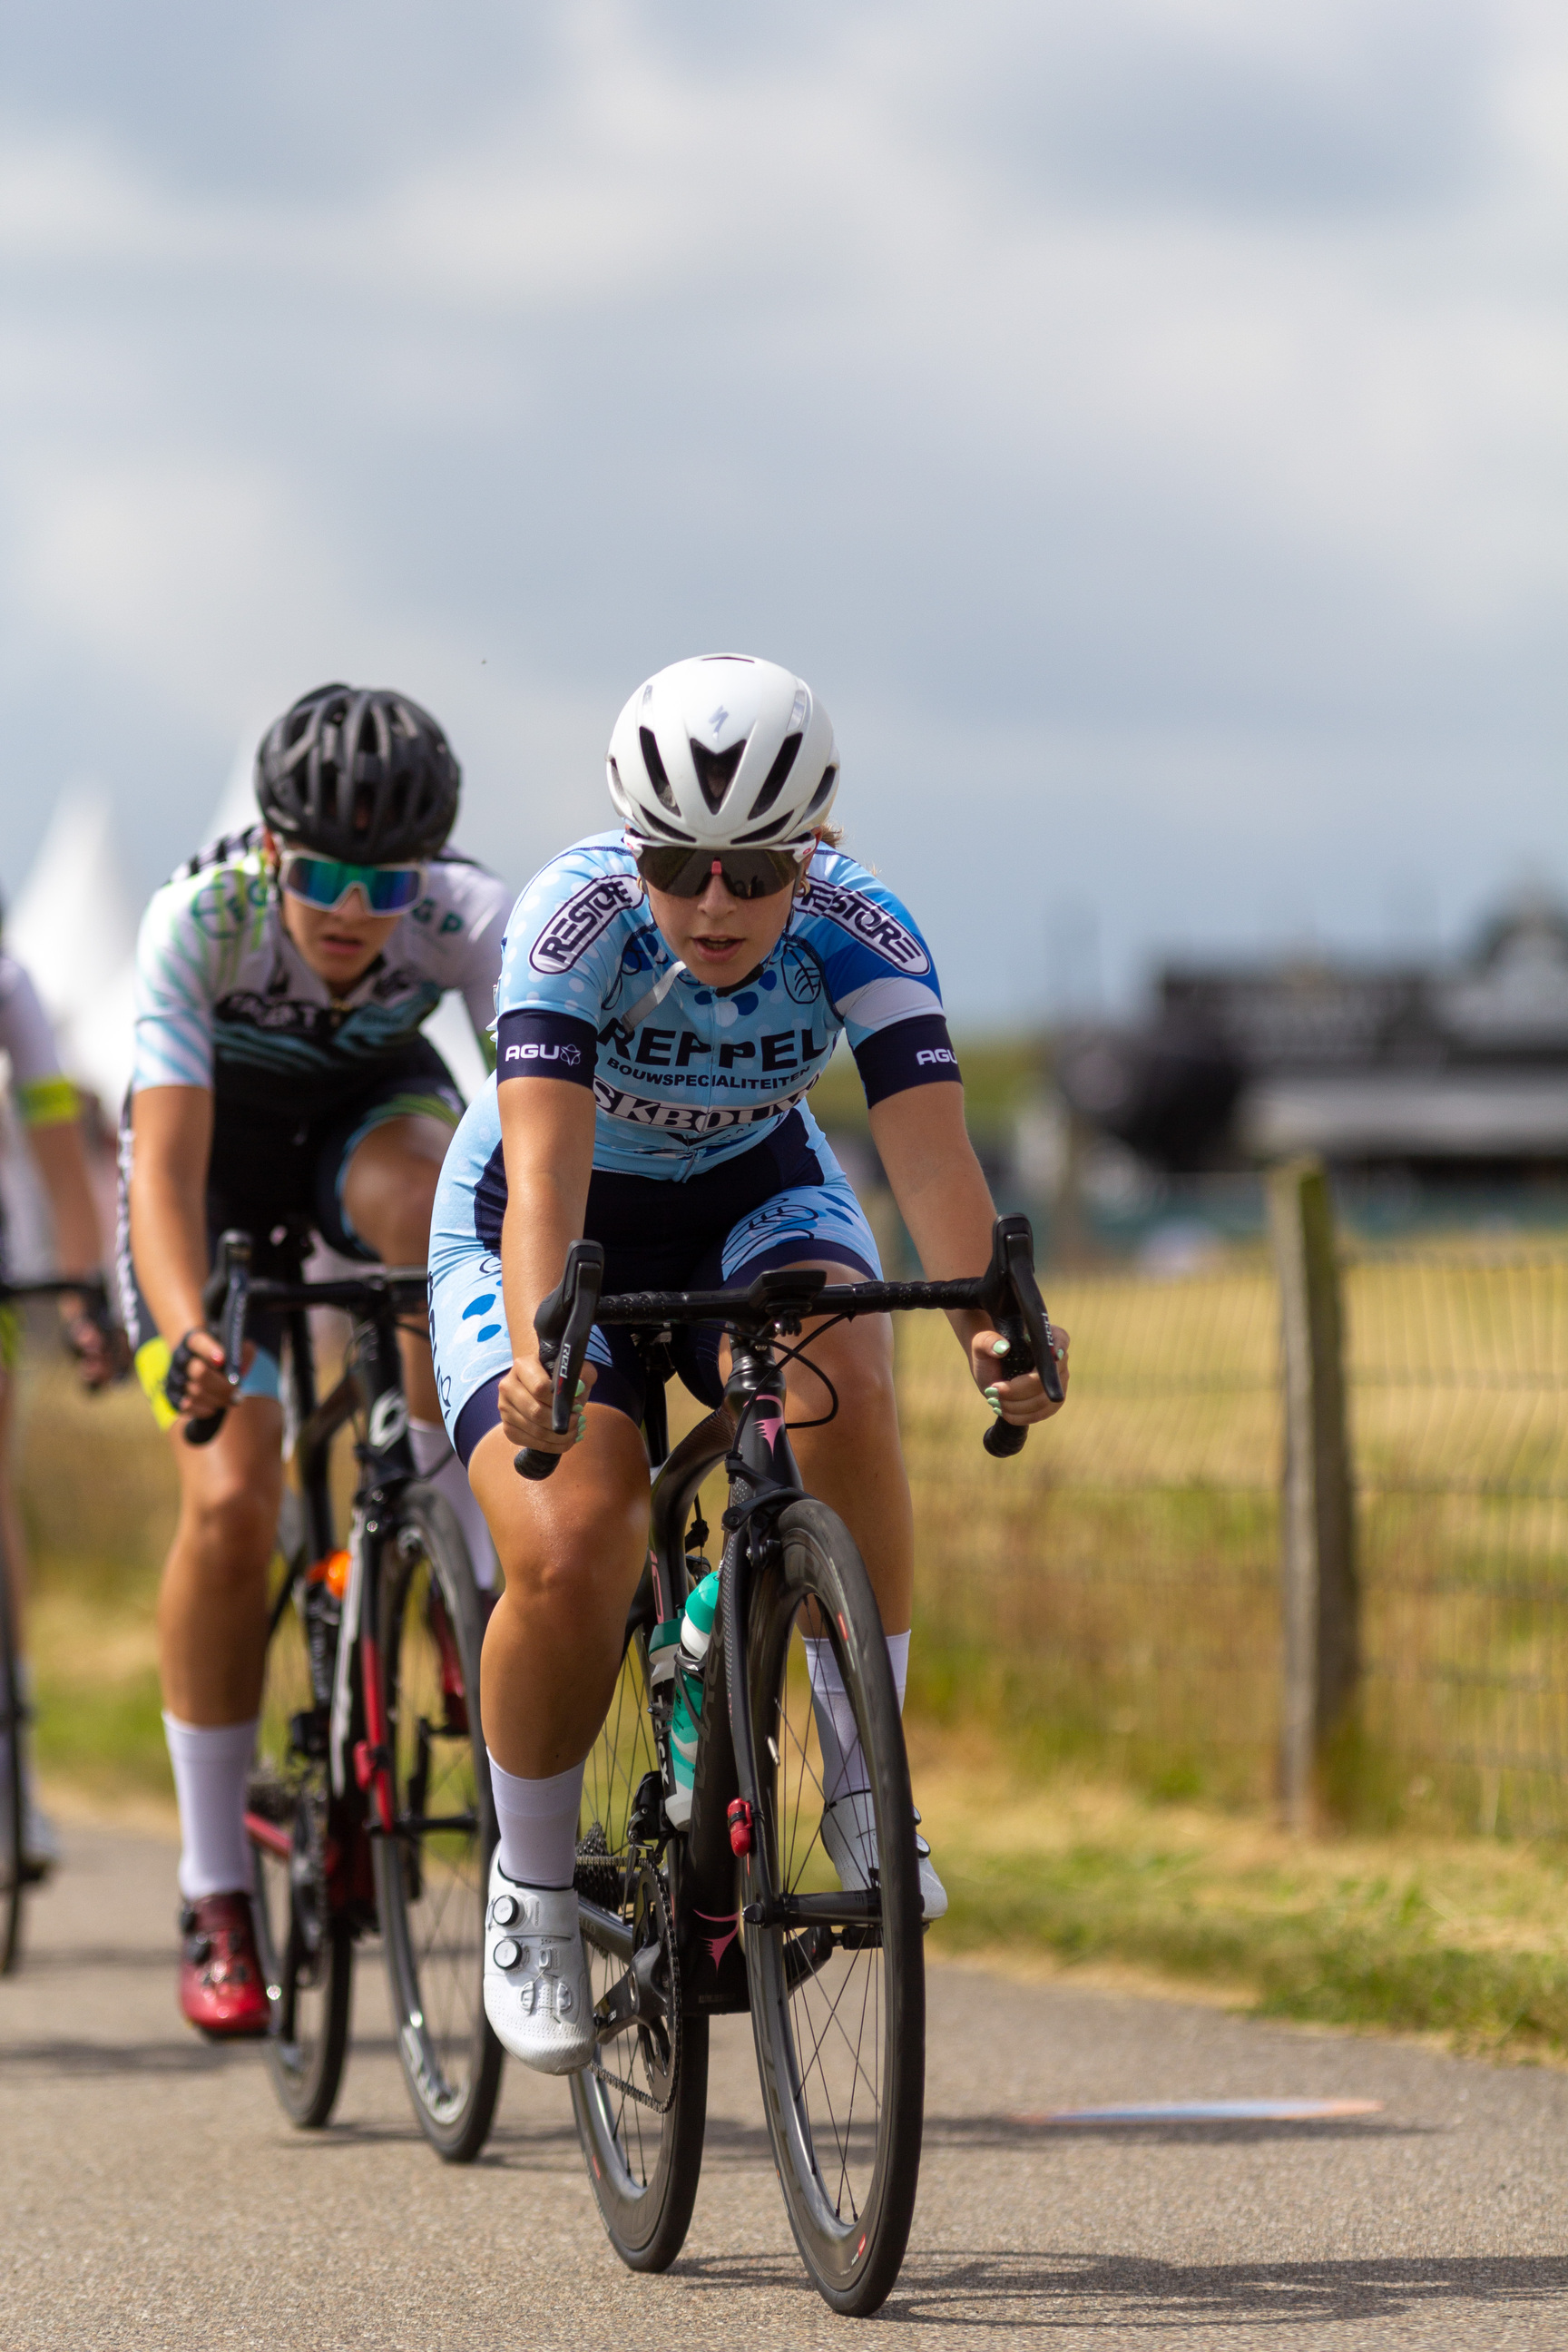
236 807
74 927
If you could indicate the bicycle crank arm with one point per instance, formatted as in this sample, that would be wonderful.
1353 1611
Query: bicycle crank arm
804 1955
632 1999
851 1907
607 1933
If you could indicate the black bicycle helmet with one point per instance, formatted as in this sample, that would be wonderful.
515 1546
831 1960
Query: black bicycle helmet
359 773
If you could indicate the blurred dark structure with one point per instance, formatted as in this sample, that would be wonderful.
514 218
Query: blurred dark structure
1456 1071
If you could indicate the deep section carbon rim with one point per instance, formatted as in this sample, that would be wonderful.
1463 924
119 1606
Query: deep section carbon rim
838 2009
431 1875
640 2111
306 1950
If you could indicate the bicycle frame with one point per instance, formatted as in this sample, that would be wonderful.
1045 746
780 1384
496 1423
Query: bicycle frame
751 1436
355 1711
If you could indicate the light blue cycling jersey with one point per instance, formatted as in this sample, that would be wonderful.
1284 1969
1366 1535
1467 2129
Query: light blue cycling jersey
694 1087
685 1075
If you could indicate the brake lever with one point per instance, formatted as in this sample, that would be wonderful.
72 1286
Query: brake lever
225 1294
1023 1323
562 1325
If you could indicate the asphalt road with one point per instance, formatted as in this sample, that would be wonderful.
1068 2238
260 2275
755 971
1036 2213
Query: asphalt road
151 2193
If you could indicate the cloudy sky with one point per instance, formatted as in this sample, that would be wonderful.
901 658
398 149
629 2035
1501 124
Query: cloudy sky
1143 424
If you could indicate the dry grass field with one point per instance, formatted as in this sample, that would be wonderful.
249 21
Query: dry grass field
1094 1689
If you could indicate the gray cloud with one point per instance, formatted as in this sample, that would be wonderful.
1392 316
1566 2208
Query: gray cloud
1143 424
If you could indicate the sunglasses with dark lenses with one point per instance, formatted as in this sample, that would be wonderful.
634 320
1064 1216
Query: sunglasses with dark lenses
745 873
326 882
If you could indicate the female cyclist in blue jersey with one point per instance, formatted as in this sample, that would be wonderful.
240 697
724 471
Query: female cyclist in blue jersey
669 992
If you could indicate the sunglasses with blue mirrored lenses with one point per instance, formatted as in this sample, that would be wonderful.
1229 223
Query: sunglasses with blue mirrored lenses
326 882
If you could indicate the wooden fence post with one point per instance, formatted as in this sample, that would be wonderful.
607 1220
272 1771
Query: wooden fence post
1316 1548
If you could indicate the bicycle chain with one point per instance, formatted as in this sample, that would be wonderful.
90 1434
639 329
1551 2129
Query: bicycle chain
650 1877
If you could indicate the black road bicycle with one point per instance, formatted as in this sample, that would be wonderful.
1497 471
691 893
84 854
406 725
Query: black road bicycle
370 1800
742 1908
14 1874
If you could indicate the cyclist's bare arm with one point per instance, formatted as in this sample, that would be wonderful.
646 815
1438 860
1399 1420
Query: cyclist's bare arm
547 1141
945 1202
171 1131
60 1158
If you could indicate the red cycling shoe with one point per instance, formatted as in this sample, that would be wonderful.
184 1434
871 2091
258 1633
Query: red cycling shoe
222 1991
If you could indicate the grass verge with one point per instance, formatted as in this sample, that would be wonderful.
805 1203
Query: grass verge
1466 1940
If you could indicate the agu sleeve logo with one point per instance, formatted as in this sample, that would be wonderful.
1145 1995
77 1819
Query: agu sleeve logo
585 917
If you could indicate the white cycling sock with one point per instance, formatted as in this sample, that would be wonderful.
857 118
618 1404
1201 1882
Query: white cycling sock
843 1763
212 1763
439 1467
537 1824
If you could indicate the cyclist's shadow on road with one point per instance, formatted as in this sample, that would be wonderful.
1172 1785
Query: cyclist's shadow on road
1016 2292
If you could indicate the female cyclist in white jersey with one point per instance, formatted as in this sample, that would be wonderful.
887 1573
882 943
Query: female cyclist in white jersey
282 1082
667 997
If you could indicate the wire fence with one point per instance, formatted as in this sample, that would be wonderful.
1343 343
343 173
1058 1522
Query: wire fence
1458 1364
1113 1593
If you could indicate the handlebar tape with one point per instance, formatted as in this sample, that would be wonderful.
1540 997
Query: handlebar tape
564 1323
225 1295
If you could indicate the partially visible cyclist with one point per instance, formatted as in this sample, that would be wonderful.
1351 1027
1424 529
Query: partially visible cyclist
669 994
281 1082
49 1114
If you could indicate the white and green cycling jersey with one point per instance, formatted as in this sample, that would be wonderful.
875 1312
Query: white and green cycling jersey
225 999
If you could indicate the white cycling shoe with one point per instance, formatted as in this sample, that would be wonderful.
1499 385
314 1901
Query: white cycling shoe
850 1837
536 1975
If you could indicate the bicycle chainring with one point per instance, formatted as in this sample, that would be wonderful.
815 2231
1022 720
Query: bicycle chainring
651 1925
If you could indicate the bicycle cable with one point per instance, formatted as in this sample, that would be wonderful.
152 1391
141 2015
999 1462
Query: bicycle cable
797 1355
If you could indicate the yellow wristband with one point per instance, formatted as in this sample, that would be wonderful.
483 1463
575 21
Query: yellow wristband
47 1102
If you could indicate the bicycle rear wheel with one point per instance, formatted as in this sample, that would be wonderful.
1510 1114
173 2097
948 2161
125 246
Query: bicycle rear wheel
642 2107
431 1873
11 1871
305 1943
838 2013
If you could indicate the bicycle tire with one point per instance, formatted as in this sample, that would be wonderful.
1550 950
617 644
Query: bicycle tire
12 1873
836 2026
644 2165
430 1884
306 1946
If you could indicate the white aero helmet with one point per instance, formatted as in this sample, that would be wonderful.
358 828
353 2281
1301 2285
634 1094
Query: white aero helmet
723 752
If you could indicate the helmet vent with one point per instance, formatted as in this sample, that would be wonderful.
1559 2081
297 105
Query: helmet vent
829 778
776 777
358 773
715 769
655 766
646 818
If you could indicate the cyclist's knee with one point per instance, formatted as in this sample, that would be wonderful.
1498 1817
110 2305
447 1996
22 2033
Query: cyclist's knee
232 1527
389 1188
581 1553
857 1358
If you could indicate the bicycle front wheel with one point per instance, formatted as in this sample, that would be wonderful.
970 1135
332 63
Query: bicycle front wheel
11 1866
837 2011
305 1943
641 2107
431 1872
